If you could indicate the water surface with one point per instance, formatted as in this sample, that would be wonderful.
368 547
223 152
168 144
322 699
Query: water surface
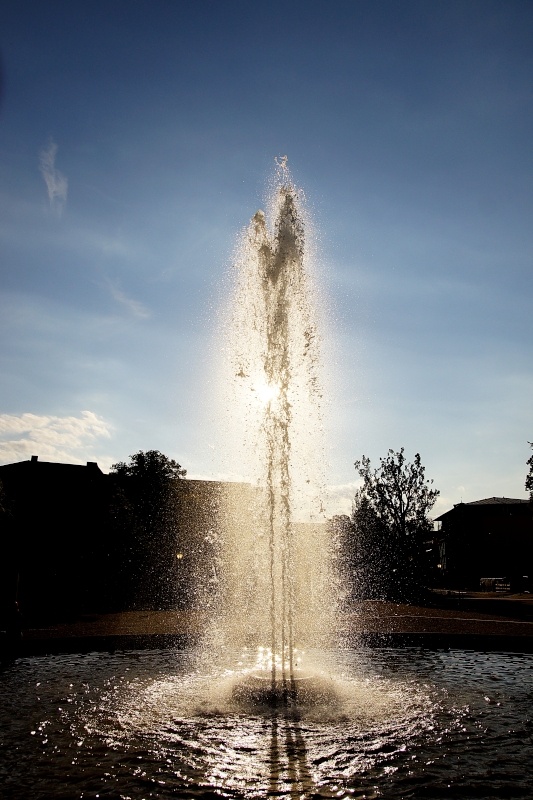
404 723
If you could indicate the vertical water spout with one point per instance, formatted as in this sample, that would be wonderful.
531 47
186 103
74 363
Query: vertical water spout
280 262
276 557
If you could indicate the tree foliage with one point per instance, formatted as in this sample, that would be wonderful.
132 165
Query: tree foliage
529 476
146 511
151 471
390 521
398 493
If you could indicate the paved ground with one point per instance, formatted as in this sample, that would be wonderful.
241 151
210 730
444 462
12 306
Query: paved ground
380 617
127 623
513 617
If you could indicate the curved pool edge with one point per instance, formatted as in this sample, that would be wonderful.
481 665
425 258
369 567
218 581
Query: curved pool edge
28 647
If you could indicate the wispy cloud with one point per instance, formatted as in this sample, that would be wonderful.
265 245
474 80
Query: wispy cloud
56 182
51 438
339 498
135 307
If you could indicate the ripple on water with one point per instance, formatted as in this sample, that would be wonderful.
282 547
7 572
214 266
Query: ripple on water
381 723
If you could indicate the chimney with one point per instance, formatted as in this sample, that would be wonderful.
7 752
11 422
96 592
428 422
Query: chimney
92 464
34 458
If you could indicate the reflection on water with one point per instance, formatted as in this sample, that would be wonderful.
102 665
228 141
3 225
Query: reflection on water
397 723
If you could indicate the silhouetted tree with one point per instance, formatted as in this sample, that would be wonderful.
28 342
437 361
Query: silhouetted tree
145 510
529 476
390 524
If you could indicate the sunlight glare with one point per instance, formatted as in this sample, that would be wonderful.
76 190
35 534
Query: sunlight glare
267 392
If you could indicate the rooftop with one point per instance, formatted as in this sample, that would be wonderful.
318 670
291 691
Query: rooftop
491 501
487 501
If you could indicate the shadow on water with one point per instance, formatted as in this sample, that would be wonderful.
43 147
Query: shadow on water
288 766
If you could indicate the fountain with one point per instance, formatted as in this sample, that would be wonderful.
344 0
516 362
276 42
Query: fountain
278 581
271 705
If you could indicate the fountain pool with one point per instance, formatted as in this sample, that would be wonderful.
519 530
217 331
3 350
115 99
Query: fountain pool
147 724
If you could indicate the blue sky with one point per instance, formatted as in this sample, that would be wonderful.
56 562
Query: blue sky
137 138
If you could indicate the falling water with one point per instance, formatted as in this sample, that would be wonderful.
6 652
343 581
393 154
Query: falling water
276 553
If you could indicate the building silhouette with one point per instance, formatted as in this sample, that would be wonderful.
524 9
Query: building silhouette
486 540
53 535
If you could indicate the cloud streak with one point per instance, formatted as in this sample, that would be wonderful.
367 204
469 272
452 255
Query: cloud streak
51 438
135 307
56 182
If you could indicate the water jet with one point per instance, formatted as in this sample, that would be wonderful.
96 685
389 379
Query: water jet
278 582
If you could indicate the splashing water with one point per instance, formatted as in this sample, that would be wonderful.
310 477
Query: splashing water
276 557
